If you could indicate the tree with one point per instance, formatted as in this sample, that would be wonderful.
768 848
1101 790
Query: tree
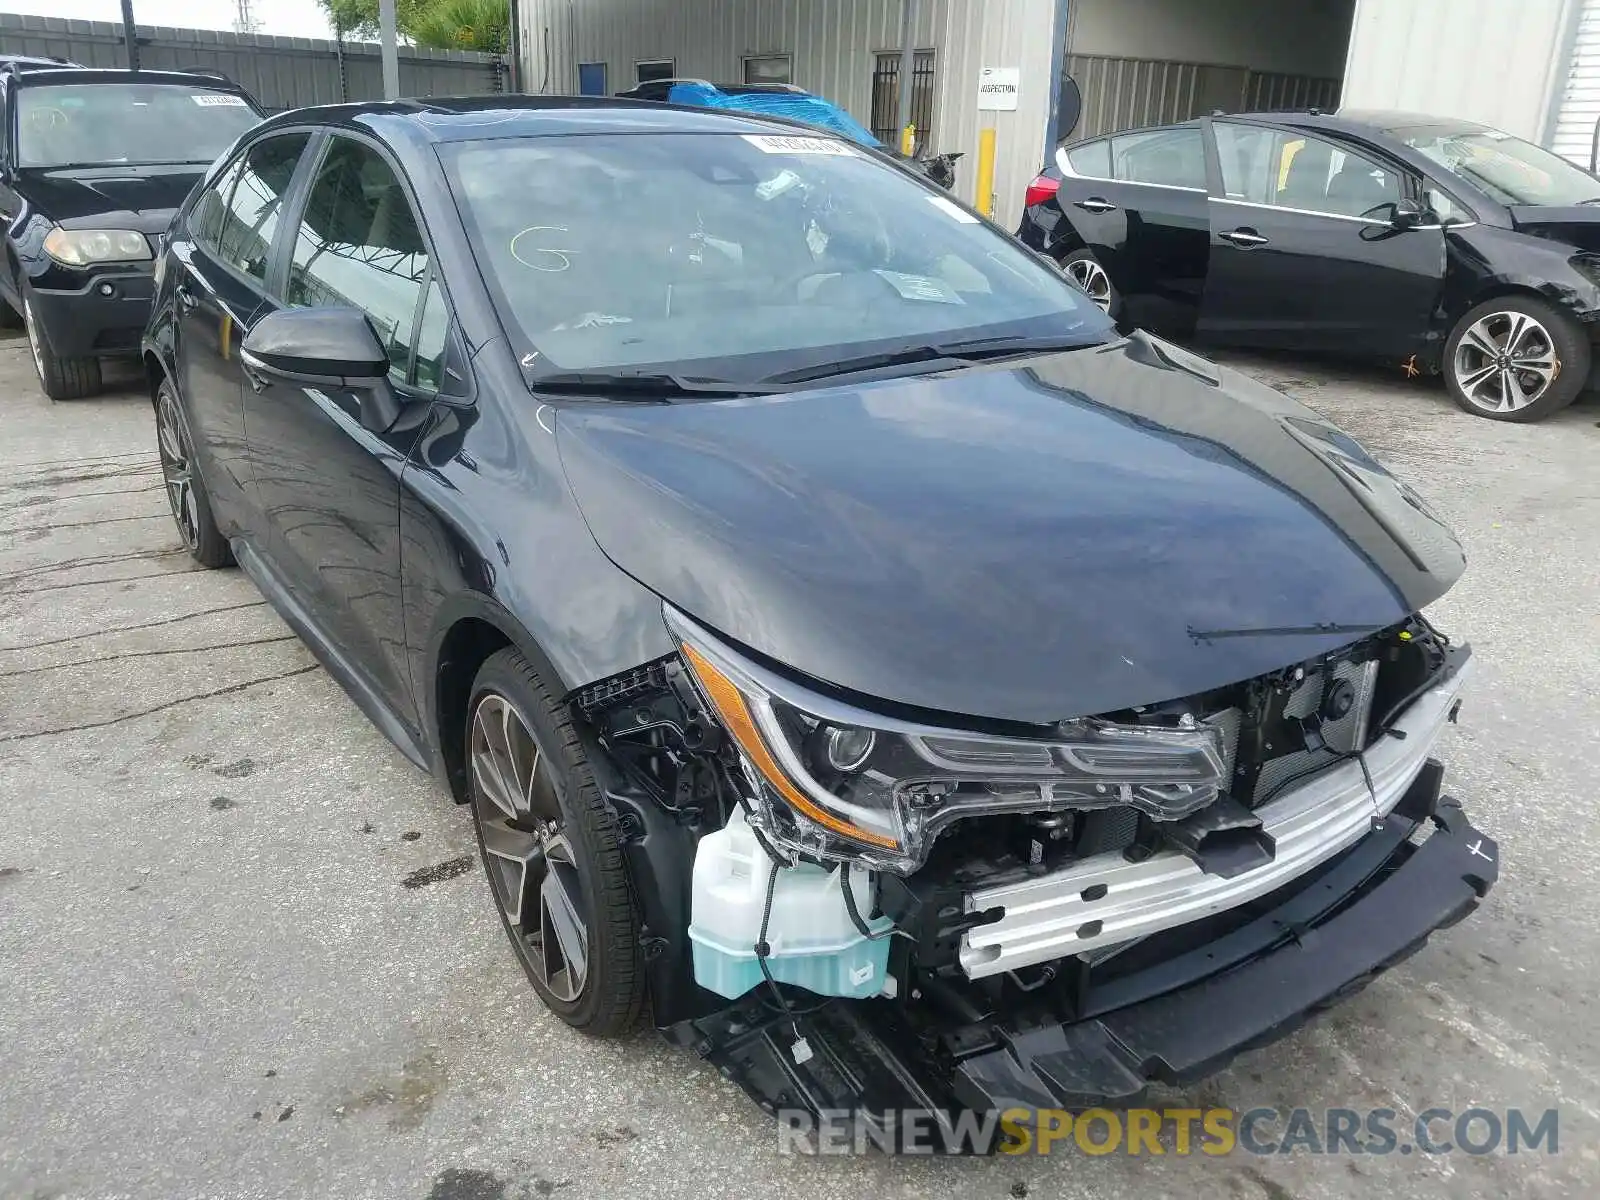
442 24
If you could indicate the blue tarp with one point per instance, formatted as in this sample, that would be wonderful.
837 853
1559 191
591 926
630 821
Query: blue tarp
796 106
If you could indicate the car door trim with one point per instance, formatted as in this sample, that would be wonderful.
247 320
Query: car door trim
1066 170
1302 212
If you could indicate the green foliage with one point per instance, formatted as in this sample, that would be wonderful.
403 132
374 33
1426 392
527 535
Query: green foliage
442 24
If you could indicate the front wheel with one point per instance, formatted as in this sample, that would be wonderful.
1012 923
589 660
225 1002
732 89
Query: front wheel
62 378
191 507
551 849
1084 269
1516 359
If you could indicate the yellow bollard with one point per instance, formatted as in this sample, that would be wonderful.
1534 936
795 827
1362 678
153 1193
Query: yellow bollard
984 199
908 140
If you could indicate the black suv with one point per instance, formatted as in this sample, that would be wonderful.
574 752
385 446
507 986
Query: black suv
93 164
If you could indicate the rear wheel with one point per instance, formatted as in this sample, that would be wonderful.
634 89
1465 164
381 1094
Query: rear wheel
61 378
1516 359
551 850
1084 269
191 507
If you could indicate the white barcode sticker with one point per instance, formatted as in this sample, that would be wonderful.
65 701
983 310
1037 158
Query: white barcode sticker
778 144
920 287
213 99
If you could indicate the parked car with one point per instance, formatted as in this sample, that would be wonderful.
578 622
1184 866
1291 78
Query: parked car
93 163
1434 244
841 637
34 62
786 101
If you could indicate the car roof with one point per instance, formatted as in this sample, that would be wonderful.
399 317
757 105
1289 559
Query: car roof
475 118
58 73
33 61
1366 121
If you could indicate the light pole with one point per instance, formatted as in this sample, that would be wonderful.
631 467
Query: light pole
391 53
130 36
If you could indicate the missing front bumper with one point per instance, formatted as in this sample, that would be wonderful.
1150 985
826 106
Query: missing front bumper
1174 1020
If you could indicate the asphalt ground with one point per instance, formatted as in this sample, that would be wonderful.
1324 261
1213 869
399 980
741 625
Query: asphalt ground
247 951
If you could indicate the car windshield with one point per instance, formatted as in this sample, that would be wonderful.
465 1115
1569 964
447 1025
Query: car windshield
738 256
101 124
1506 169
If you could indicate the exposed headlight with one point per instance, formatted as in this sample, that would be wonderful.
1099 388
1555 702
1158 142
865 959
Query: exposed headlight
836 782
80 247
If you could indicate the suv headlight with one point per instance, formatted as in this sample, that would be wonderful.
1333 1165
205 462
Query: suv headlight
833 781
81 247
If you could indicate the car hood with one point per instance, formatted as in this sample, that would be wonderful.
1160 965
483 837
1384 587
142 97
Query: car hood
1082 534
1577 225
105 198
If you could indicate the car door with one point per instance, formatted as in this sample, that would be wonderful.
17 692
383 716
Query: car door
1138 201
1312 247
220 257
328 485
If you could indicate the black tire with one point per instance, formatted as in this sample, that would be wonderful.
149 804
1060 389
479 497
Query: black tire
1084 269
1511 330
61 378
584 851
186 491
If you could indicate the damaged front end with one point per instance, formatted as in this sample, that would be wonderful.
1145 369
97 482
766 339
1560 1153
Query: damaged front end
866 912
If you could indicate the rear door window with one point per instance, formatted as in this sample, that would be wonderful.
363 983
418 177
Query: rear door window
1091 159
1165 157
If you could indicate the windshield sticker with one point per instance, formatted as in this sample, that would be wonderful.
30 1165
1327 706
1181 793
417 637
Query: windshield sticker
920 287
950 208
774 144
783 181
218 99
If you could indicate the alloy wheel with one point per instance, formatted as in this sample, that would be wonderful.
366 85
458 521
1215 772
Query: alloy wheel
34 344
530 860
176 468
1092 278
1505 361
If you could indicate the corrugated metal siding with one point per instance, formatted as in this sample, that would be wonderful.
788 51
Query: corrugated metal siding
833 42
1493 61
280 72
1579 115
985 33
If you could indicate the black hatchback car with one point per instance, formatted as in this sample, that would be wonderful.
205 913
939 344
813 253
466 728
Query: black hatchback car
842 638
93 163
1437 245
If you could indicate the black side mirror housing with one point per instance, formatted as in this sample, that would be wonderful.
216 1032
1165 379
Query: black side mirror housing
325 347
1408 214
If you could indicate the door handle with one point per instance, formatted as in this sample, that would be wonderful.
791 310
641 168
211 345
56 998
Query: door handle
1244 237
185 298
1095 204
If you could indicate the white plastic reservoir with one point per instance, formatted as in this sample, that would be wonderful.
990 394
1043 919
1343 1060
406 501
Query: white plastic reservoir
814 943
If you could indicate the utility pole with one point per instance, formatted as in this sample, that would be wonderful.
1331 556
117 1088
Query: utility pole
245 21
908 66
130 35
391 53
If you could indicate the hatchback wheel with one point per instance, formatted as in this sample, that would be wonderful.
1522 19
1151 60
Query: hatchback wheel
1516 359
1085 270
551 850
191 507
61 378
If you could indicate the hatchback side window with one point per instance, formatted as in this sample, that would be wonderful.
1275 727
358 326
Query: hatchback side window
205 218
249 219
1288 169
1091 159
359 246
1168 157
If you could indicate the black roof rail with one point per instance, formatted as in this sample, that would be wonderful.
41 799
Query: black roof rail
208 72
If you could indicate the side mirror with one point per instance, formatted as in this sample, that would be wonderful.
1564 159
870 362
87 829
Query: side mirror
324 347
1408 214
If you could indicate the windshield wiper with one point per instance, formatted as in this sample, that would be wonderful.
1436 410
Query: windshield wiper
642 386
971 350
1590 200
1212 635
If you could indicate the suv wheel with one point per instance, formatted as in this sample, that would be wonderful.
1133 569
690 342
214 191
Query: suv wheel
61 378
1516 359
551 850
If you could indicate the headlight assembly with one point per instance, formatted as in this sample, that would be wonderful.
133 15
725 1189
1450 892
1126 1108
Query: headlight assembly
833 781
81 247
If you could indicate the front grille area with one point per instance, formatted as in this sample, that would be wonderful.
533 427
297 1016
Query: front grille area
1342 736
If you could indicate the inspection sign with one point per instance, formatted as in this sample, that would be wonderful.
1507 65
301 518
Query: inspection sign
997 89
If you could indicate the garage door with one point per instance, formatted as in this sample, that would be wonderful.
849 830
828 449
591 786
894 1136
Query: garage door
1580 101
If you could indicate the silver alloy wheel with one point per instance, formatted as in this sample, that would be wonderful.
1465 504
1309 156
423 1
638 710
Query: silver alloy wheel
1505 361
1092 278
34 343
531 864
176 468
